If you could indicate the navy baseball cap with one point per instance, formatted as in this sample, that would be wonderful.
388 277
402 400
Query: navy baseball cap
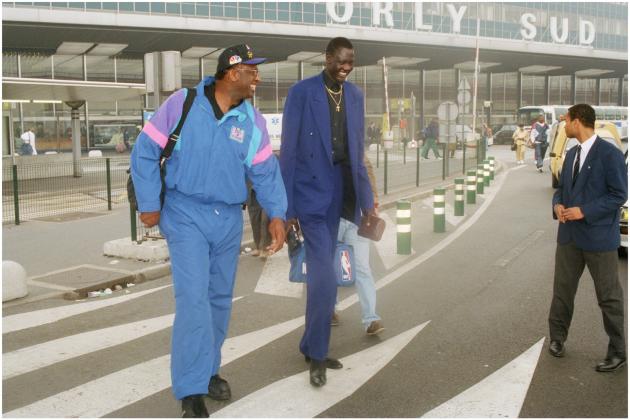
238 54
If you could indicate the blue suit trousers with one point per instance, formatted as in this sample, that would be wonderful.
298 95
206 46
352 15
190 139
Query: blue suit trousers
320 237
204 243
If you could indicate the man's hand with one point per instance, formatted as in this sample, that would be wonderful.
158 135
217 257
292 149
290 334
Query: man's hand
150 218
573 213
559 210
277 232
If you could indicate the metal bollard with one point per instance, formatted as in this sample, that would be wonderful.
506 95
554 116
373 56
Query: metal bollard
403 222
471 180
16 196
480 178
109 183
417 166
491 159
439 215
486 173
459 196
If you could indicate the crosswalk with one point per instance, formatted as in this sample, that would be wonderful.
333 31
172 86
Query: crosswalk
85 390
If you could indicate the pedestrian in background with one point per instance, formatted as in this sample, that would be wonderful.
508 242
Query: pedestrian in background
593 185
223 141
519 139
348 234
260 224
28 143
431 134
321 157
538 136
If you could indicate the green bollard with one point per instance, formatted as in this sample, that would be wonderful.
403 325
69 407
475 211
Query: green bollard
417 166
491 159
480 178
459 196
471 180
439 215
486 173
403 222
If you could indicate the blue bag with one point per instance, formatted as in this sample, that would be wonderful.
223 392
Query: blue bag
343 264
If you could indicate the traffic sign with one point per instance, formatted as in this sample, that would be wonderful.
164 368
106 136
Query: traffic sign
447 111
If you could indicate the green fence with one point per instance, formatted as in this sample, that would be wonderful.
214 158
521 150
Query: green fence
45 189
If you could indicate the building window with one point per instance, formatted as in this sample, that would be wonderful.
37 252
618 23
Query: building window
9 64
36 66
100 68
271 11
68 67
142 7
244 10
188 9
229 10
173 8
129 70
125 6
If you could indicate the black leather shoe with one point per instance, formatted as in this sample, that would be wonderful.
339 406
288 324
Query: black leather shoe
556 348
318 373
611 364
330 362
219 389
193 406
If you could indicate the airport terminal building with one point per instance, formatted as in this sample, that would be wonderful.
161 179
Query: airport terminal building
96 57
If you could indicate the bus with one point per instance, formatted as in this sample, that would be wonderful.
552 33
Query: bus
617 115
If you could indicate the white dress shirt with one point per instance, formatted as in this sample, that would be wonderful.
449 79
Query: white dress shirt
586 147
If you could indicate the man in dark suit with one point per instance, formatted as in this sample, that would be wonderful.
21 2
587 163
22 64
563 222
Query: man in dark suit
593 186
321 159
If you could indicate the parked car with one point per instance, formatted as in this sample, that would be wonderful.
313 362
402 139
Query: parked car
504 134
623 220
560 144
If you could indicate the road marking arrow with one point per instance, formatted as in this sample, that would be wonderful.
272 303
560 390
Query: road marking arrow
47 316
295 397
499 395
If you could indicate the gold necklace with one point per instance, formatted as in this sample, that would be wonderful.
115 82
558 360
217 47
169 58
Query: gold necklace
332 94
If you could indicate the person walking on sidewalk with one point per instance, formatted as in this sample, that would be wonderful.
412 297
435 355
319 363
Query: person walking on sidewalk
223 141
539 138
431 134
520 139
593 185
321 157
348 234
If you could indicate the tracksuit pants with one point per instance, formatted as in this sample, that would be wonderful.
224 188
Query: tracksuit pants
204 244
320 238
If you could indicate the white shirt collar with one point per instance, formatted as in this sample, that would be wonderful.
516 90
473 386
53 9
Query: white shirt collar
586 147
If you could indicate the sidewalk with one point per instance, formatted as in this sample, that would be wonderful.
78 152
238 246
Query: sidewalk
65 259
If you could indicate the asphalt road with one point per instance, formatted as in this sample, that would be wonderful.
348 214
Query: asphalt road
465 317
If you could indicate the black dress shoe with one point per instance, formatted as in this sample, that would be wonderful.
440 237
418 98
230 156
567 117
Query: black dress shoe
318 373
556 348
219 389
611 364
330 362
193 406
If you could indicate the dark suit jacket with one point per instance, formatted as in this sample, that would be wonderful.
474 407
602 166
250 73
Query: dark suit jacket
306 149
600 190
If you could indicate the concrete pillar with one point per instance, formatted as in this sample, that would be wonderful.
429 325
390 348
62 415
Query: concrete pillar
547 90
13 281
573 89
519 89
76 137
597 91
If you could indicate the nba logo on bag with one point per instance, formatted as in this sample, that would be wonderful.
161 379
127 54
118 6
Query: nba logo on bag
346 267
237 134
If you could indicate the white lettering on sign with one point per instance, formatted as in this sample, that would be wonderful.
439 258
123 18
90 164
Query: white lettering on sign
384 9
456 16
332 12
553 23
528 30
585 26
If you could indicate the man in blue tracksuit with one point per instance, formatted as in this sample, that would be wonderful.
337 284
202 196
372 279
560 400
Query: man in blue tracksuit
223 141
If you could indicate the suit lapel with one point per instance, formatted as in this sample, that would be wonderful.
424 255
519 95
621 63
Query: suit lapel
585 170
321 114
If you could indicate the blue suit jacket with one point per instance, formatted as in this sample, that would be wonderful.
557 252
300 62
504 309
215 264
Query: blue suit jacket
306 149
600 190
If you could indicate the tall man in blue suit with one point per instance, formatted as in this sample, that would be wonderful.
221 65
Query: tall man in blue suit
321 159
593 186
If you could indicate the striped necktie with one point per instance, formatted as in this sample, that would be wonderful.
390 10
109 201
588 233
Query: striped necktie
576 165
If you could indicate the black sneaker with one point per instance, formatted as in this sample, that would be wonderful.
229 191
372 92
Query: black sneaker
219 389
193 406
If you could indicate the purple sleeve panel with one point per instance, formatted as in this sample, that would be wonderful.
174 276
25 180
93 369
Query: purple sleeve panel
264 150
165 118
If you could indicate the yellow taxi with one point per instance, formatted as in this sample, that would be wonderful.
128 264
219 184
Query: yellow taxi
560 144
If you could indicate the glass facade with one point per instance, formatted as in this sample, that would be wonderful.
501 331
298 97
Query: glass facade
497 20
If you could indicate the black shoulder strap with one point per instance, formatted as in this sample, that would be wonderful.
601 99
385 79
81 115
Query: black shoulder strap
172 139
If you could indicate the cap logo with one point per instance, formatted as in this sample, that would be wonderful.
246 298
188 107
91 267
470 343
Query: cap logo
250 54
235 59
